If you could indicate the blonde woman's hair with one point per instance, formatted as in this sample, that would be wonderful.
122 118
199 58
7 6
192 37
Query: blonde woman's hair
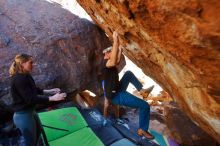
16 64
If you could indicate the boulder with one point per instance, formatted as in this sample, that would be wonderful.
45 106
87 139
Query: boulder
67 50
176 43
188 134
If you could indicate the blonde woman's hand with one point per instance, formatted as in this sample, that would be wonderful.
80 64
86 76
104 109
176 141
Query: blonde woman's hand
57 97
52 91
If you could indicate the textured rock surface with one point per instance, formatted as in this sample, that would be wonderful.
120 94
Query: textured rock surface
67 50
188 133
174 42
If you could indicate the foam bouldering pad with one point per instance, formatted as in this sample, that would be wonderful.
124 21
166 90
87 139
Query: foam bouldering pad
127 133
82 137
123 142
93 117
107 134
163 140
61 122
133 136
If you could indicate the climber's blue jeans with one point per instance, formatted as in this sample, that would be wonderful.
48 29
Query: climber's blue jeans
122 97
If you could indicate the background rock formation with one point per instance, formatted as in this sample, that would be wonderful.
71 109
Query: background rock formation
67 50
183 129
174 42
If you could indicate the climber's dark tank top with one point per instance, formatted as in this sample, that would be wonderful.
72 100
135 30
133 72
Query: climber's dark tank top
111 80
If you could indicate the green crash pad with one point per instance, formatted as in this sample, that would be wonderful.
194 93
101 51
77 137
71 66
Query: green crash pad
83 137
61 122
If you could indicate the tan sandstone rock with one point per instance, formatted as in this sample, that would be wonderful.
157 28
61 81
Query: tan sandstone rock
177 43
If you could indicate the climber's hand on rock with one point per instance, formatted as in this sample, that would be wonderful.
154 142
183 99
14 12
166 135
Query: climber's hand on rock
115 36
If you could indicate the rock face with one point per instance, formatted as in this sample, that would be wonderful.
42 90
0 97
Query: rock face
177 43
188 133
67 50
